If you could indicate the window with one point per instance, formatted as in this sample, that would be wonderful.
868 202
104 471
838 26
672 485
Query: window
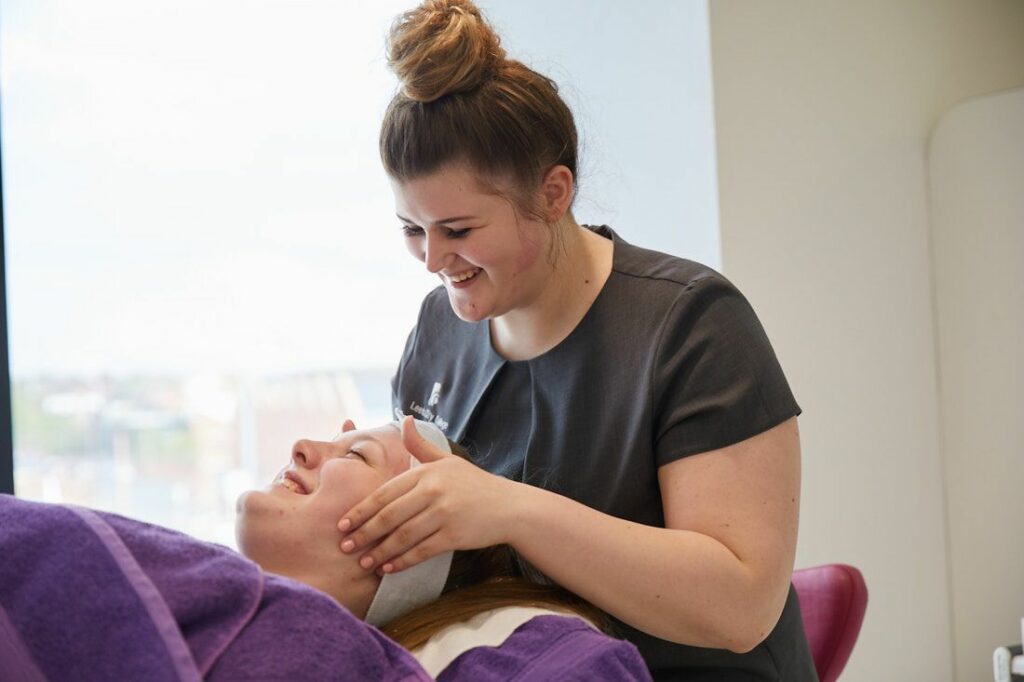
203 260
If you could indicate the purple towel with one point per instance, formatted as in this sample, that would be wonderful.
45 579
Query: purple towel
87 595
551 648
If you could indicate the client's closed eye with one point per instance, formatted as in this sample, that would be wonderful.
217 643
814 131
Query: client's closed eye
356 453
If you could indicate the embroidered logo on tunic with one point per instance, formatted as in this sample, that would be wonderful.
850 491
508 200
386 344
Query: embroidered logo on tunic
425 411
428 414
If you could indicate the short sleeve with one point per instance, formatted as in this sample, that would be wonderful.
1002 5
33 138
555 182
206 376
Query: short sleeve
716 379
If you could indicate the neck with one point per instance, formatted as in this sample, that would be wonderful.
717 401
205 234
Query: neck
582 264
351 586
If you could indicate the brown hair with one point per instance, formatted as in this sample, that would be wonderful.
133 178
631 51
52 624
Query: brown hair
461 100
484 579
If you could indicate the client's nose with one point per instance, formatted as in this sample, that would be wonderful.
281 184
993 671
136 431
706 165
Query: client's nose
306 454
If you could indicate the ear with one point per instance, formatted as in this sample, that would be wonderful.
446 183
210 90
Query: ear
349 425
557 189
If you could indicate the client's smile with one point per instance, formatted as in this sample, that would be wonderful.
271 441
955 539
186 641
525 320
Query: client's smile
291 481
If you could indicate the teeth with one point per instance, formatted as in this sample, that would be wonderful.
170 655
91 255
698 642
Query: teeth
291 485
465 276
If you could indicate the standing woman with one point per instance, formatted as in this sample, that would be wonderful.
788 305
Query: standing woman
637 436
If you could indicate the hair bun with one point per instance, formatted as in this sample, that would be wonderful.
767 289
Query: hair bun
442 47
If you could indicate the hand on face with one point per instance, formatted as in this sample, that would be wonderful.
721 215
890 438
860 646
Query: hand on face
447 503
292 524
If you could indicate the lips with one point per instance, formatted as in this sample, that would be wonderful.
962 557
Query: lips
292 482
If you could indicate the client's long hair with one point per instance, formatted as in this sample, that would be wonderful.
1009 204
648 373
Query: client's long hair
484 579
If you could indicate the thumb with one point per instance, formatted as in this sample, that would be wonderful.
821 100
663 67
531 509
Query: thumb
417 445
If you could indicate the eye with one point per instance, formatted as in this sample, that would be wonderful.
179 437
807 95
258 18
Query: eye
356 453
411 231
457 234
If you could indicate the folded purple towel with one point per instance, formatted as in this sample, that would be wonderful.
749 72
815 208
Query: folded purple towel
87 595
551 648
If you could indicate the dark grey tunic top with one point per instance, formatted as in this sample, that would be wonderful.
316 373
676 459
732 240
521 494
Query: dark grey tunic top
669 361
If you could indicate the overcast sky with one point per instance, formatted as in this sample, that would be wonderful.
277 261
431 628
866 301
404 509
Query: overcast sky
196 186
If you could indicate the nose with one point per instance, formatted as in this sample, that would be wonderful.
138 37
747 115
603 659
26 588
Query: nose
307 454
436 251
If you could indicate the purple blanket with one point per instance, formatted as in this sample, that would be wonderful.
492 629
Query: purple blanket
92 596
551 648
87 595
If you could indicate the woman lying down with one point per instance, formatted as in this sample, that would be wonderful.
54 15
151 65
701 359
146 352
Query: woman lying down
88 595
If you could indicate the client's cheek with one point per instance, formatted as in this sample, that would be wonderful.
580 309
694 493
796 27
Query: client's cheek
329 503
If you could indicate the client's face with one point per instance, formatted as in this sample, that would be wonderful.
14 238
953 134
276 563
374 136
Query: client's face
291 527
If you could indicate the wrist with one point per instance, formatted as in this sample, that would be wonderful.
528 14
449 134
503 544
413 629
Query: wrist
521 512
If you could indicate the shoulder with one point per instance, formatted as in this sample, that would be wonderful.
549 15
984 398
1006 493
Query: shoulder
647 264
663 277
669 296
635 261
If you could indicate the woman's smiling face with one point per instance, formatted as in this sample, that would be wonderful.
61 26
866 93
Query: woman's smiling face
490 259
291 526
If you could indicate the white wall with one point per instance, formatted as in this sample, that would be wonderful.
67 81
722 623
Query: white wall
823 112
639 84
976 161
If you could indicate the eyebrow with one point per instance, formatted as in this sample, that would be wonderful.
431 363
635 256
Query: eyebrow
441 222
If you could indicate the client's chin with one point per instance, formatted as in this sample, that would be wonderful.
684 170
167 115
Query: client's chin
246 526
289 545
270 535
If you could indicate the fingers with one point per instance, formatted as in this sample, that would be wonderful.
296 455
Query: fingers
407 539
396 526
417 445
375 502
390 522
429 547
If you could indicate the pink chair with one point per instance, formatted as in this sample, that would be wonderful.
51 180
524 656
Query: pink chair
832 602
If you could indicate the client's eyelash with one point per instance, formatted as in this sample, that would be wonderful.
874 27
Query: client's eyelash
357 454
410 231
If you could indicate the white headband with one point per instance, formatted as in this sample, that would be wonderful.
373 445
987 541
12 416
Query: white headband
406 590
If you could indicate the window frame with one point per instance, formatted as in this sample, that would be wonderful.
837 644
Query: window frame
6 430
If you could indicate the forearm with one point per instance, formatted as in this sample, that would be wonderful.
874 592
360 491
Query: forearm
678 585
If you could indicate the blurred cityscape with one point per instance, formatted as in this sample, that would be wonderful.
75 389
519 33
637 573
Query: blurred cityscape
177 450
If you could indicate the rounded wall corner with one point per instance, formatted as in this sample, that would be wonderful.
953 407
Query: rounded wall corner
954 111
